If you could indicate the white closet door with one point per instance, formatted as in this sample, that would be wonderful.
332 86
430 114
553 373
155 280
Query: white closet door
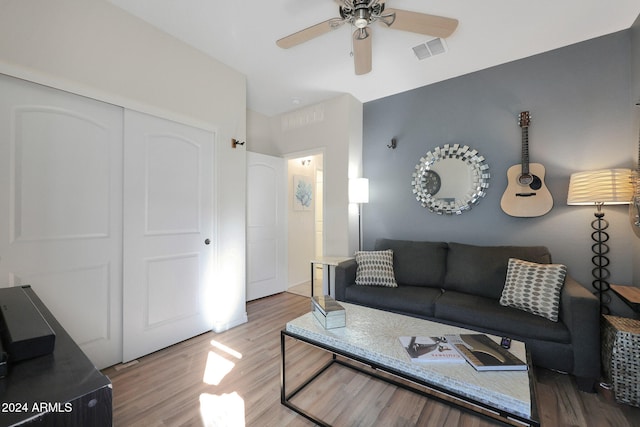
168 220
266 225
61 209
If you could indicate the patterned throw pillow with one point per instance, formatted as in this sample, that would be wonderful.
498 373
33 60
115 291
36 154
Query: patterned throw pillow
375 268
534 287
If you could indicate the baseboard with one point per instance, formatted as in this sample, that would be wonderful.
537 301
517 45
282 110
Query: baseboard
225 326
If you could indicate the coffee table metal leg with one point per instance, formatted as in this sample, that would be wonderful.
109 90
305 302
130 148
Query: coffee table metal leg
285 399
312 278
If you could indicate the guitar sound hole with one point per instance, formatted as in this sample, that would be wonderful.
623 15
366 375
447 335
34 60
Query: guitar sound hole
525 179
536 184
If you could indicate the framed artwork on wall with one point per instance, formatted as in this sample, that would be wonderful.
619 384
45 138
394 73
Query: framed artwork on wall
302 193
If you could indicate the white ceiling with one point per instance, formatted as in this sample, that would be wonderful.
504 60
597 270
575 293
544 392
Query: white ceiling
242 34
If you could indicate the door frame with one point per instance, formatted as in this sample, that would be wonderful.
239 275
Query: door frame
296 155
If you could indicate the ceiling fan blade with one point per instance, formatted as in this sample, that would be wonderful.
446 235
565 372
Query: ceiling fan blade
362 51
309 33
421 23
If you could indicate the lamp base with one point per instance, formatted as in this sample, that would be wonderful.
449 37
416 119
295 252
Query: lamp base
600 261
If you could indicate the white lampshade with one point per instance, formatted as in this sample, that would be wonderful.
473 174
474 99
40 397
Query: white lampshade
606 186
359 190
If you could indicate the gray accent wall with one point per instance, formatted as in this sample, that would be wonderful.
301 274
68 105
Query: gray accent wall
582 104
635 73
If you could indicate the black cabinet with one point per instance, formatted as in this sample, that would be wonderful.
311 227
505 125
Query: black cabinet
59 389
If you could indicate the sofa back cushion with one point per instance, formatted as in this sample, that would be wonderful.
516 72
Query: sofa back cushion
417 263
482 270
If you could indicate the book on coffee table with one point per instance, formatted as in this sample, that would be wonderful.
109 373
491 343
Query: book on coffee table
430 349
484 354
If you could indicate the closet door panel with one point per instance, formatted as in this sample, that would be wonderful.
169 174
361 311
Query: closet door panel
61 209
56 153
168 233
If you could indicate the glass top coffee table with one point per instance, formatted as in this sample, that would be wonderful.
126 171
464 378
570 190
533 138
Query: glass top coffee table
371 338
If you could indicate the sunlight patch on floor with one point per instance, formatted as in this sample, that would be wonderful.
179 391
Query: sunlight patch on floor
217 366
226 349
216 369
226 410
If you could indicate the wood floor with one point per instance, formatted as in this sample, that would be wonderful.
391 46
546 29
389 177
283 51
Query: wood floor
233 379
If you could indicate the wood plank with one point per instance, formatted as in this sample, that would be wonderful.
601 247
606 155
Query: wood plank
630 293
167 388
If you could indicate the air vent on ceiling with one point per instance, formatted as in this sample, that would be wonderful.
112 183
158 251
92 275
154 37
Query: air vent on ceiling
430 48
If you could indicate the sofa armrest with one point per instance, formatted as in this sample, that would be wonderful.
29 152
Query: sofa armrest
345 275
580 312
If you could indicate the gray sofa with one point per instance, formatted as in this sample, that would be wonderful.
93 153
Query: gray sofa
461 285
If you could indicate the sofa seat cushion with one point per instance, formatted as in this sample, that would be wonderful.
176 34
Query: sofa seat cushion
410 300
482 270
417 263
485 313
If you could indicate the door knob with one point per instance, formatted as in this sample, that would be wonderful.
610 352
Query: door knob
207 241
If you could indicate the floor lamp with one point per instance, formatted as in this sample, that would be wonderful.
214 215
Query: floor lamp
598 188
359 194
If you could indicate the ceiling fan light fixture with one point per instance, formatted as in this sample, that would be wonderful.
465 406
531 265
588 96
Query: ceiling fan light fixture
360 23
361 18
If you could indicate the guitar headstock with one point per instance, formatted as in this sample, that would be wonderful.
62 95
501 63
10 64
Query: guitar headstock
524 119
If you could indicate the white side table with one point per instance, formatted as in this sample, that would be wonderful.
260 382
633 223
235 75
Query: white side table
329 261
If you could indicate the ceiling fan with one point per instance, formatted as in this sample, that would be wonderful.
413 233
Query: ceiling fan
361 13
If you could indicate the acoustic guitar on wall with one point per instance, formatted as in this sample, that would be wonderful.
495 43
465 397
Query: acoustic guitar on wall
526 194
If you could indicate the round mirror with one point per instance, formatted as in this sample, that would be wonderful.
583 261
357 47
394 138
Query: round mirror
450 179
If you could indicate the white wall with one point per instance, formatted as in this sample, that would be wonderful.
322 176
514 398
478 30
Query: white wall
335 128
259 135
355 171
95 49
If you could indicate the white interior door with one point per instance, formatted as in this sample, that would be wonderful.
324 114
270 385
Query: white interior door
61 209
168 233
266 225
